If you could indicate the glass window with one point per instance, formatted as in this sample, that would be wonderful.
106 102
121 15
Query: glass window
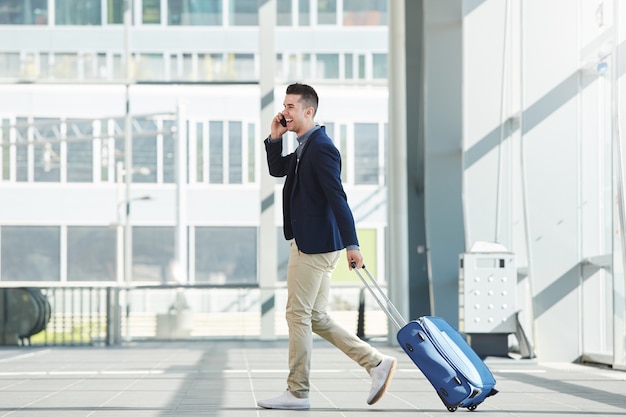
281 66
107 154
169 151
153 253
343 149
361 67
115 127
21 163
252 140
89 64
211 67
48 152
30 253
120 172
102 67
283 12
6 150
306 66
28 67
349 66
151 11
304 12
216 153
226 255
327 66
115 11
21 151
282 255
244 13
45 69
326 12
144 150
195 12
189 71
235 153
385 151
48 162
79 152
10 64
199 152
366 161
65 66
150 67
91 253
292 67
364 12
330 131
368 241
379 66
244 68
78 12
20 12
173 66
119 66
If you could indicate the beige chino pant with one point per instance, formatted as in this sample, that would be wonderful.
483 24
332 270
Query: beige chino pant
308 288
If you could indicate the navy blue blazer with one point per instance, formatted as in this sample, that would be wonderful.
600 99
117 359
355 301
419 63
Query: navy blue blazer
315 208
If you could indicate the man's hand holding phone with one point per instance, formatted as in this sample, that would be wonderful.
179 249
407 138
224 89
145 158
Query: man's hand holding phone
279 126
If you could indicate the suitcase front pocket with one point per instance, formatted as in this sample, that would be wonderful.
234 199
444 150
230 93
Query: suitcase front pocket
449 385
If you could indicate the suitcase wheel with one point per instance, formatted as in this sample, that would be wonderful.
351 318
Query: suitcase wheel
472 407
452 409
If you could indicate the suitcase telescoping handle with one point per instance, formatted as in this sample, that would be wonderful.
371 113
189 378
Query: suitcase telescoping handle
381 298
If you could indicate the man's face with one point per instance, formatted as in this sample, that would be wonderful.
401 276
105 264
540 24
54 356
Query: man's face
295 113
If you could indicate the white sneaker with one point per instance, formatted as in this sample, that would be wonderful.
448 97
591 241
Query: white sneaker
381 375
285 401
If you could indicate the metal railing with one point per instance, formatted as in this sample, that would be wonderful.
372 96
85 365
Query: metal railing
111 315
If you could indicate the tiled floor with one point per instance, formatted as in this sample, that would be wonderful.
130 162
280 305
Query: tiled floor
225 378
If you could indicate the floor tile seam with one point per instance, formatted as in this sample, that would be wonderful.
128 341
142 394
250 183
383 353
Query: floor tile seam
246 360
48 395
119 393
552 398
15 384
24 355
325 397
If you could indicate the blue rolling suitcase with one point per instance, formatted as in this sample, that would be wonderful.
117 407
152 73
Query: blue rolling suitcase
459 376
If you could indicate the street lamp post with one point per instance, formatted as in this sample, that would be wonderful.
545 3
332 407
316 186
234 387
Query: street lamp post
124 263
124 236
120 269
128 146
124 226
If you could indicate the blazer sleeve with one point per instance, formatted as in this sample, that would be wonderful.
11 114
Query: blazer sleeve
277 164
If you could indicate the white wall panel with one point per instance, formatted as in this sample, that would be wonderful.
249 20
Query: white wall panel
566 154
550 46
487 97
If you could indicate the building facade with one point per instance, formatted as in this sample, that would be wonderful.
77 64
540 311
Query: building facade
69 70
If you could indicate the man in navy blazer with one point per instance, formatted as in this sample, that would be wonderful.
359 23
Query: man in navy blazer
319 224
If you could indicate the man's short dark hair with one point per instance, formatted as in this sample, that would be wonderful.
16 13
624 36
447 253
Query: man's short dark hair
307 95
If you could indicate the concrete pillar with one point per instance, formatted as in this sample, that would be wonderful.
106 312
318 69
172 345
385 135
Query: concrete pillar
425 155
267 226
397 263
442 115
